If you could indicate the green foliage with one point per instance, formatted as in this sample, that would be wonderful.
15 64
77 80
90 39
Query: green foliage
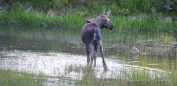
22 17
74 12
131 6
19 17
56 4
41 4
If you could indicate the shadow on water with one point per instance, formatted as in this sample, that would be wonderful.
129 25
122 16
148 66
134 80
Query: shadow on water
60 52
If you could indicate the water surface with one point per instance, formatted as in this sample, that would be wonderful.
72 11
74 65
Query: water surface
60 51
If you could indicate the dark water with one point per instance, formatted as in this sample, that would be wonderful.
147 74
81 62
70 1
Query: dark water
53 51
39 39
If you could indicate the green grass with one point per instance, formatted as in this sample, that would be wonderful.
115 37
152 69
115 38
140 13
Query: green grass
130 14
13 78
134 78
118 6
21 17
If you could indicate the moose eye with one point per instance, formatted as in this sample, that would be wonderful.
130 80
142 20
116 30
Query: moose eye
107 20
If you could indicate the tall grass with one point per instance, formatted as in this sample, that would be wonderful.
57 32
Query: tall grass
21 17
142 23
131 14
132 6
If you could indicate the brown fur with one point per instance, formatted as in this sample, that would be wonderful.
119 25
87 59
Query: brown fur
88 20
91 24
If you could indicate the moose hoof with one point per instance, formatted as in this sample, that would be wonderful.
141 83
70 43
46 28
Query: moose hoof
104 63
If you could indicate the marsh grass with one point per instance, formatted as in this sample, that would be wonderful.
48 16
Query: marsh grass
74 68
137 78
132 77
13 78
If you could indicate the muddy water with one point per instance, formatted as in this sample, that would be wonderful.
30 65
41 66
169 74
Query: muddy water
60 51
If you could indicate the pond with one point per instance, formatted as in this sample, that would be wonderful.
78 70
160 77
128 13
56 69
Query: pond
60 52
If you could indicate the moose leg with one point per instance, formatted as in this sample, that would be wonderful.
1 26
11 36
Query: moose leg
101 50
89 52
95 53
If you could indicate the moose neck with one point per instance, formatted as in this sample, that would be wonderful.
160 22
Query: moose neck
97 21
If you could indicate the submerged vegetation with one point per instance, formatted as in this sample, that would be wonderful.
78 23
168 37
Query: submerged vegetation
129 14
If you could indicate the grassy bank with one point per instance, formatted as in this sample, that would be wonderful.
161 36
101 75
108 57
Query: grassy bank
21 17
125 15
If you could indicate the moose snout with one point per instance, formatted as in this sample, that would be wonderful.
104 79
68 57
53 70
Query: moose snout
112 27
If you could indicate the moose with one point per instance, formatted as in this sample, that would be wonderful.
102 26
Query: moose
91 36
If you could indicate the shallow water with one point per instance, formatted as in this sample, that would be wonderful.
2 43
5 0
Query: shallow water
58 64
60 52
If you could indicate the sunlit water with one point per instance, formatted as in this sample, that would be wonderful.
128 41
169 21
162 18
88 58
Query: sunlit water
59 52
57 64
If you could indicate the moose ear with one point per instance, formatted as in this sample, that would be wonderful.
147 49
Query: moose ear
103 13
108 13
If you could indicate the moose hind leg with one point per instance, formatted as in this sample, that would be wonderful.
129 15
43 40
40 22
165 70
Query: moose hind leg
95 53
94 57
89 54
88 57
